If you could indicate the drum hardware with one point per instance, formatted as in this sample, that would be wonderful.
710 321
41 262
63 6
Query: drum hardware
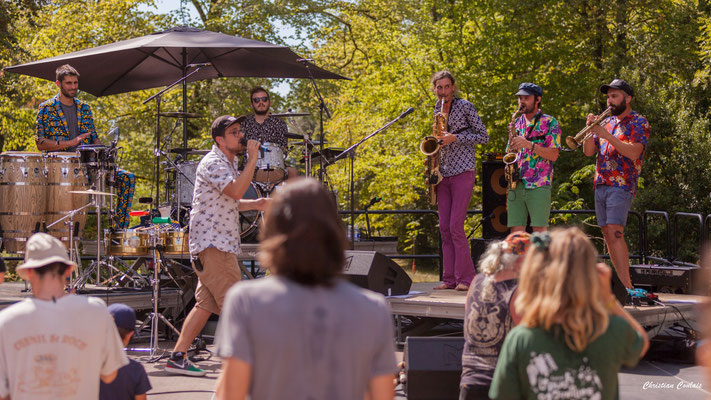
189 151
296 136
180 114
291 114
329 155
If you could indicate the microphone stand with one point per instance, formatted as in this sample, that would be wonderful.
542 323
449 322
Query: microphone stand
322 108
158 97
351 151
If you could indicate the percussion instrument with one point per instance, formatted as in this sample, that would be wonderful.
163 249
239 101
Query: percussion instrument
175 242
96 156
180 114
185 181
23 200
271 168
291 114
128 242
189 151
249 220
65 173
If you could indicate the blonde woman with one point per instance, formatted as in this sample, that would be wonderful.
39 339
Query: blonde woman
489 314
574 335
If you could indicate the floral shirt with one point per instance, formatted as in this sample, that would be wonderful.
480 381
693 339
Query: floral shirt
536 171
462 121
52 124
614 169
214 218
272 130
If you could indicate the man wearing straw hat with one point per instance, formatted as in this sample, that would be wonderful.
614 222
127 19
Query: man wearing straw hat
55 345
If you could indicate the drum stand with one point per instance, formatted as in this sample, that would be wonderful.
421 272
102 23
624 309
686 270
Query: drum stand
154 317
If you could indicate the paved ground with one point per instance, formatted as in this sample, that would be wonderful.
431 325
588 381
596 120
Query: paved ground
649 380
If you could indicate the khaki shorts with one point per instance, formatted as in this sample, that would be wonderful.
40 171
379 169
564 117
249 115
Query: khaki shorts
220 271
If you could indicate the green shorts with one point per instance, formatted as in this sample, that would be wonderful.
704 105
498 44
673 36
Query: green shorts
524 202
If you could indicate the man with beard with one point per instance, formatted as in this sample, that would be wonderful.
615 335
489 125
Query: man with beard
264 127
619 141
65 122
537 141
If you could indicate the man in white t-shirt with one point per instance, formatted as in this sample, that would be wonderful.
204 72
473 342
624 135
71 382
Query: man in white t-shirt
55 345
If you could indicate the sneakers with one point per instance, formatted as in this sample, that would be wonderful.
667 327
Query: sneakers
178 363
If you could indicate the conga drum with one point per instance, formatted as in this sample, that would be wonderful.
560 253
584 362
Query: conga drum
23 198
65 173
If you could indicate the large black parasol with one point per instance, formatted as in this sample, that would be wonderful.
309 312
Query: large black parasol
162 58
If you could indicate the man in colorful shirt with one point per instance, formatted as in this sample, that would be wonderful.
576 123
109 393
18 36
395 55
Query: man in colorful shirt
458 167
65 122
620 142
214 230
538 143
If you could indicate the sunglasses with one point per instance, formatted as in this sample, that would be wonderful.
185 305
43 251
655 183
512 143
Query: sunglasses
260 99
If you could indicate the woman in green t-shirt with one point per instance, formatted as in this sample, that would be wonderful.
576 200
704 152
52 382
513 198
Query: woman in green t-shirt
574 335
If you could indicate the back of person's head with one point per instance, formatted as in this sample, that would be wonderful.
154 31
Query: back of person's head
303 238
559 286
55 270
500 255
124 318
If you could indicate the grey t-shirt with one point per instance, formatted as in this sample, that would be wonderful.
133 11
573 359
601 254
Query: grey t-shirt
307 342
70 114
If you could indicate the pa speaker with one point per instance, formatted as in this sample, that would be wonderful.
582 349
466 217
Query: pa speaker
375 271
434 367
493 198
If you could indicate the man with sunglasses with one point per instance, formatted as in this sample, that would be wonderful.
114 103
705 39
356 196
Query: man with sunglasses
264 127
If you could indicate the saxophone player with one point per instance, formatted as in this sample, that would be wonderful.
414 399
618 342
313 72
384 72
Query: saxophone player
458 168
620 142
537 142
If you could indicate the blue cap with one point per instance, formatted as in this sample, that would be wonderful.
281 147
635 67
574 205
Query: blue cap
124 316
527 88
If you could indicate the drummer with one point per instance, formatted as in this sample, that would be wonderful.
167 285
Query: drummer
65 122
264 127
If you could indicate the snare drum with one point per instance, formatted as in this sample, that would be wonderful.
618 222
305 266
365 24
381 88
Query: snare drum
23 200
129 242
271 167
96 156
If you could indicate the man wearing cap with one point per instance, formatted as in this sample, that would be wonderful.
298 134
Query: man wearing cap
619 142
47 348
215 230
458 167
537 141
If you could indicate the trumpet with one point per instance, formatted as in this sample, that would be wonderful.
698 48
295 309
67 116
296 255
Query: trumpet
586 133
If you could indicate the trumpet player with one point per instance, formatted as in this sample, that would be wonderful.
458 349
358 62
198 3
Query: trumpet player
537 142
458 168
619 141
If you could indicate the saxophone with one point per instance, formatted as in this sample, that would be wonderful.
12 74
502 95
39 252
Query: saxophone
430 147
511 172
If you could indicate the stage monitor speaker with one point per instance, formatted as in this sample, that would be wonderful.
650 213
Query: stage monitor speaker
478 247
375 271
493 198
434 367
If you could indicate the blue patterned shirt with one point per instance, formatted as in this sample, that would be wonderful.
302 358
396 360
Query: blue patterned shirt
52 124
462 121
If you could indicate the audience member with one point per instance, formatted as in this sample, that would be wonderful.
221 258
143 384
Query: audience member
574 335
489 314
55 345
304 332
131 381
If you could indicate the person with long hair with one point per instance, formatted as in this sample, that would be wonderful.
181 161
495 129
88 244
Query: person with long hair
574 335
489 313
304 332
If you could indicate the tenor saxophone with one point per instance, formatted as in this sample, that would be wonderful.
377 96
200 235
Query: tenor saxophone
430 146
511 172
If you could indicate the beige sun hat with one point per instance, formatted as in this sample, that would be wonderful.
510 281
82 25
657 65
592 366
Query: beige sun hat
42 249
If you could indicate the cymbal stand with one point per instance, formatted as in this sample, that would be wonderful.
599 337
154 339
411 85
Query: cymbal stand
322 108
73 255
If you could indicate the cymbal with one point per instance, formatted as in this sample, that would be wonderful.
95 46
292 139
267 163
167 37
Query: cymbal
296 136
291 114
188 150
180 114
328 153
91 191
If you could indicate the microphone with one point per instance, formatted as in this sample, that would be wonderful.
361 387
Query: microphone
145 200
199 65
243 142
406 113
303 60
374 200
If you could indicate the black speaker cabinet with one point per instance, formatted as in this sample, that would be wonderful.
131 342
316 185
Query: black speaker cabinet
493 198
434 367
375 271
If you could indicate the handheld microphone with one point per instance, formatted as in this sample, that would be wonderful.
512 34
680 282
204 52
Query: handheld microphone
406 113
199 65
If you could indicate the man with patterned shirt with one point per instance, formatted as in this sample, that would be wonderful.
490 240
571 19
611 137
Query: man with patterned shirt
538 143
620 144
65 122
458 167
264 127
215 229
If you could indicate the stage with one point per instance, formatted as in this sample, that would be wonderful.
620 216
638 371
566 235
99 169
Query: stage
428 306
